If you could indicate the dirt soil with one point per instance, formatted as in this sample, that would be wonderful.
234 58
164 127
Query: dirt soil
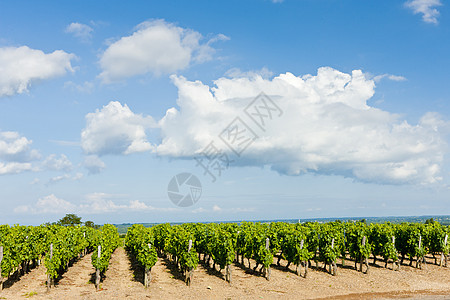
124 280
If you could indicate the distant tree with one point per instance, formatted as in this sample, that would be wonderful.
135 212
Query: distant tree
363 221
69 220
91 224
429 221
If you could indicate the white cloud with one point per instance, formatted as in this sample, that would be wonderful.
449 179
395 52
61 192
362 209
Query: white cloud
58 178
77 176
218 209
94 164
426 8
81 31
390 77
327 127
55 163
199 210
47 205
98 203
66 176
14 168
115 129
16 154
14 147
22 66
155 47
94 203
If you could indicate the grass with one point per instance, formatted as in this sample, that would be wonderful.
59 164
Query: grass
30 294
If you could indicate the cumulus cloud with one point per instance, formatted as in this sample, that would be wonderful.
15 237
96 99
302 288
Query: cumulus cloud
327 127
14 147
80 31
47 205
94 164
426 8
22 66
94 203
14 168
98 203
16 153
115 129
17 156
57 163
155 47
101 202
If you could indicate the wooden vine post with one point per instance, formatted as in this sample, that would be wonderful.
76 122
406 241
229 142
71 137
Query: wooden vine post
237 253
49 278
267 272
419 259
333 266
189 273
83 252
228 274
395 263
302 263
228 270
343 256
97 272
442 254
299 266
317 251
364 260
147 275
1 277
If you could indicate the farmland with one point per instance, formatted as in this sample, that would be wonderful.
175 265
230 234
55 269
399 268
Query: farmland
244 261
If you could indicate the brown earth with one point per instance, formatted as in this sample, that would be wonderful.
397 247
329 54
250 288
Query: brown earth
123 280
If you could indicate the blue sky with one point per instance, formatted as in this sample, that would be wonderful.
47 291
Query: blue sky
102 103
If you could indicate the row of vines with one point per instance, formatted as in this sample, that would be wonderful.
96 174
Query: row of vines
222 245
300 245
24 247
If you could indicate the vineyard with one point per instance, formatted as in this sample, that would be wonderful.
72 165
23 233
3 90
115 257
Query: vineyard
23 247
298 244
257 249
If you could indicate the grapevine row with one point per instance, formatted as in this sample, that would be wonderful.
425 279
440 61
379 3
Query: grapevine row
22 247
298 244
107 240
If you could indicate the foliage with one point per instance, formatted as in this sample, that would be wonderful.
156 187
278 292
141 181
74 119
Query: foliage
108 240
140 241
69 220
